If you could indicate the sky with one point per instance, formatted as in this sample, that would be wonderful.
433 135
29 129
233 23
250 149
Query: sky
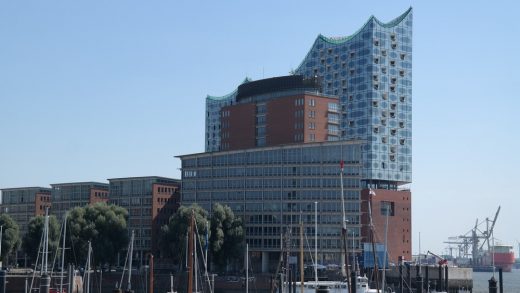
91 90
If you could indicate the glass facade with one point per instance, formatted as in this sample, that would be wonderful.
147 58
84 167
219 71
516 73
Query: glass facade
371 72
271 188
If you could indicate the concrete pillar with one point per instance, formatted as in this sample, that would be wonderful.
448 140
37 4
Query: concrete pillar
265 262
2 281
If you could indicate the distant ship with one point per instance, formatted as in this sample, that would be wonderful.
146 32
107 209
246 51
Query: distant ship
503 255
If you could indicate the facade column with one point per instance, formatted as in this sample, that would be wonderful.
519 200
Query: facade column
265 262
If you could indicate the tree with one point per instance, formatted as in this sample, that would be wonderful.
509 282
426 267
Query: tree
102 224
10 236
32 239
227 236
173 235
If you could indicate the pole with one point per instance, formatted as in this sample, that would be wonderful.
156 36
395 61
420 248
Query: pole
345 270
373 245
1 238
190 257
63 251
247 267
302 273
151 274
386 249
130 262
88 267
316 244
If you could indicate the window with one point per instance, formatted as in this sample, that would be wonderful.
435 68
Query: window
375 78
383 70
315 71
352 71
402 98
376 42
352 54
392 114
376 129
351 123
394 45
343 65
393 80
376 60
392 88
330 51
335 75
392 63
392 158
392 149
387 208
351 98
401 141
344 82
385 96
336 58
401 124
312 136
393 131
374 104
393 106
383 122
312 125
401 73
402 56
383 52
383 139
322 61
312 102
376 86
392 37
312 114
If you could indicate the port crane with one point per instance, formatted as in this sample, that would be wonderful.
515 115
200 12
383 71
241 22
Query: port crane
471 240
442 261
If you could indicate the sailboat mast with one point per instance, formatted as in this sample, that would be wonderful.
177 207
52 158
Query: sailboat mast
373 242
302 273
63 251
316 243
387 211
130 262
247 267
345 270
190 256
88 267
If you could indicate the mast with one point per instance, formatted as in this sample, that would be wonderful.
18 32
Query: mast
190 257
387 211
344 253
373 240
45 280
316 244
88 267
247 267
302 273
63 251
130 262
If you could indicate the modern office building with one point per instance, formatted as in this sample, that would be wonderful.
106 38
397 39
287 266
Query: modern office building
272 187
24 203
280 110
66 196
150 202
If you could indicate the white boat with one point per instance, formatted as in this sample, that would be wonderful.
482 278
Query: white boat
336 286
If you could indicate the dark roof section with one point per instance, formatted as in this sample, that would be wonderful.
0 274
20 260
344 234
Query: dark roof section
277 84
159 178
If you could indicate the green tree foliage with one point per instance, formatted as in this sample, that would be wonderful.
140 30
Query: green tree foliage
173 235
10 235
102 224
227 236
32 239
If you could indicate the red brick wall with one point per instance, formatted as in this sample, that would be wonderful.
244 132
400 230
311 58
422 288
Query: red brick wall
399 225
98 195
320 109
41 201
281 120
165 202
241 130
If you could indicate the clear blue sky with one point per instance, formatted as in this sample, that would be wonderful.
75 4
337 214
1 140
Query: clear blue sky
91 90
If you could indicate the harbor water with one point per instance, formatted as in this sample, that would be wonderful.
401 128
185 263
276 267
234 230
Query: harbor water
511 281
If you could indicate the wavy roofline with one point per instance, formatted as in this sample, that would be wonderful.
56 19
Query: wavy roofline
341 40
224 97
